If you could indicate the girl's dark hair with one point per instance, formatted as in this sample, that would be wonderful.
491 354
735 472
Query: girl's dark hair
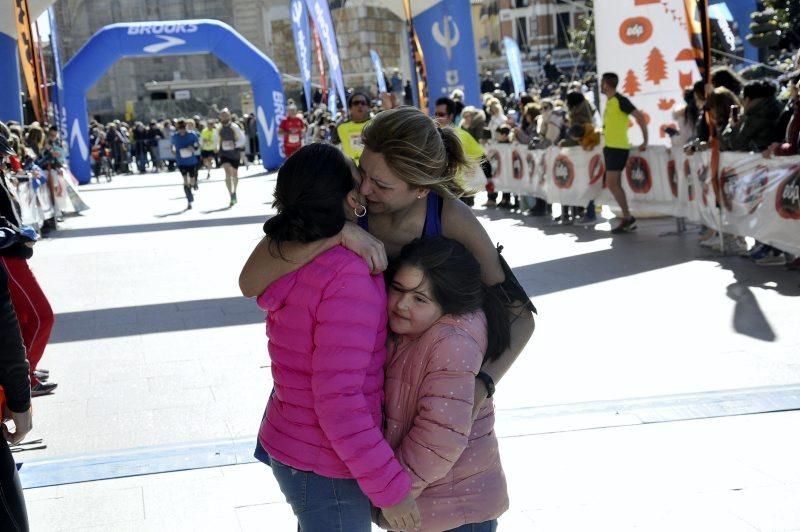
454 276
312 185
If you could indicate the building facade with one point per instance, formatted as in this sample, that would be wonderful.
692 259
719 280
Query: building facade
540 27
145 88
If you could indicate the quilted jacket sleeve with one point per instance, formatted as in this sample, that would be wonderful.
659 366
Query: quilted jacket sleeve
349 318
443 422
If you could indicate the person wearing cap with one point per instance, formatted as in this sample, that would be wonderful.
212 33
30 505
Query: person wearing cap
292 128
231 140
348 133
186 144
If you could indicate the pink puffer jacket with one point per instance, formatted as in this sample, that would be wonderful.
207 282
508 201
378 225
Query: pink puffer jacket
454 462
327 333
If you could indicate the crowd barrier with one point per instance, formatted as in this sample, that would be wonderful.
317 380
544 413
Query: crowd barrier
760 197
38 204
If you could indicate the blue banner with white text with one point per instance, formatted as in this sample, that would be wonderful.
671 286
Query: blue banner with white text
56 98
321 15
448 45
302 45
514 65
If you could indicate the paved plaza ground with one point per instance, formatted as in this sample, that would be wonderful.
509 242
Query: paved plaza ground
659 392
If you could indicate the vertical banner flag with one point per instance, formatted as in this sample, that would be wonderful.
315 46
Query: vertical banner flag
41 74
445 33
321 15
419 79
320 62
646 43
695 31
58 87
376 62
28 55
514 65
302 45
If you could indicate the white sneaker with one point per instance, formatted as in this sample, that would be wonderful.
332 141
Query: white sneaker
773 258
712 242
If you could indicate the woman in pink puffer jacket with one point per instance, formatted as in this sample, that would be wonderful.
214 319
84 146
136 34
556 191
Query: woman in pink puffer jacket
327 333
438 310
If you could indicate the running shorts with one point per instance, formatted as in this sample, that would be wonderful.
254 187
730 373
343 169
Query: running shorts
231 161
616 159
188 171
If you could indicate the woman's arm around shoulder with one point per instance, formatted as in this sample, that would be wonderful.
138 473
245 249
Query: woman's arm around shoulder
459 223
266 265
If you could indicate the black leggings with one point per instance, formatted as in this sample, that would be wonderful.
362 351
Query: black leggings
13 515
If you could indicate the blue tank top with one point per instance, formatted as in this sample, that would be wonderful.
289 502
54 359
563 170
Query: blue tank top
433 217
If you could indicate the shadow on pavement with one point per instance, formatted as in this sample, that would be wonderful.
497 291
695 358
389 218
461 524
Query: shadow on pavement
169 226
158 318
98 188
168 214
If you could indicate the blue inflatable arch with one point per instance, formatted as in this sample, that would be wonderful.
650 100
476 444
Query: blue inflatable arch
178 37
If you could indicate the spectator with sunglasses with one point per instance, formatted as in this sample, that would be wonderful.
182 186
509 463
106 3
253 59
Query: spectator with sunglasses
348 133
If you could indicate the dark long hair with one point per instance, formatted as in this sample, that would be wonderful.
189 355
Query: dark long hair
455 279
309 196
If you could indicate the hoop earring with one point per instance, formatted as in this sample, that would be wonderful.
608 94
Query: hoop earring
361 213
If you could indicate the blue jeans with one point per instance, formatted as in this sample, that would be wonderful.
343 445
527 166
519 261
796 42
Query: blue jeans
486 526
323 504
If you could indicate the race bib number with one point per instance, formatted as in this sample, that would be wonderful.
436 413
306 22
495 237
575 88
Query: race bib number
294 138
186 152
228 145
355 141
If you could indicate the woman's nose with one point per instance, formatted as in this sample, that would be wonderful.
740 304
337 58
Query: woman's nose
365 189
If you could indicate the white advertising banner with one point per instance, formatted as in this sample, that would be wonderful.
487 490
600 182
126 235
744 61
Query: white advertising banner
646 43
760 197
37 203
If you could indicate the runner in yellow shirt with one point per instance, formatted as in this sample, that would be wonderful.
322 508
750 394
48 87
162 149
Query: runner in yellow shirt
208 145
617 147
445 112
348 133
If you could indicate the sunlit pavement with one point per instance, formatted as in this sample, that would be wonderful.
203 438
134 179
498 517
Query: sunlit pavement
649 398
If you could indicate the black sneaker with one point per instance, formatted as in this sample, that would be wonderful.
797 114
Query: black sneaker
41 374
627 225
43 388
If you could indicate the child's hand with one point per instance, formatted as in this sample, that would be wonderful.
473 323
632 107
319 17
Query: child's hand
403 515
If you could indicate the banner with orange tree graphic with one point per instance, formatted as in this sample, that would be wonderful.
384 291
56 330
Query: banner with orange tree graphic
646 43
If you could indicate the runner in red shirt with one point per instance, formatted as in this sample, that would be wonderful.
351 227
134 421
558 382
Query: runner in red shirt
292 127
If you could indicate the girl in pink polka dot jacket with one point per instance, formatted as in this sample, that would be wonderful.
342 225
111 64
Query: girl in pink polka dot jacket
444 323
